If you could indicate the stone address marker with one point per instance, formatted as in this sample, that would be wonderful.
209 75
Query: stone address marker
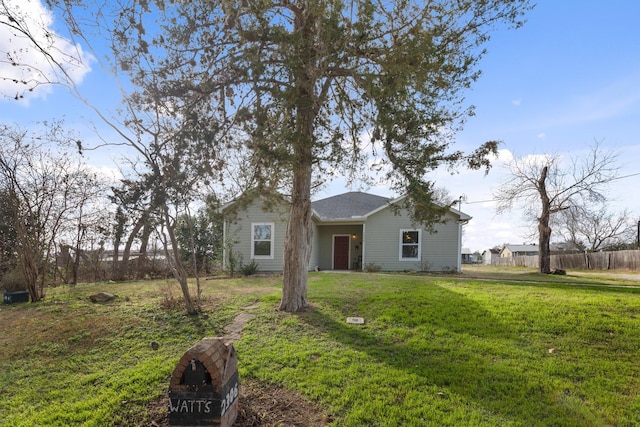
203 390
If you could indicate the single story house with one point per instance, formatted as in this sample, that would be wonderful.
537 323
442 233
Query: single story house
489 256
469 257
351 231
518 250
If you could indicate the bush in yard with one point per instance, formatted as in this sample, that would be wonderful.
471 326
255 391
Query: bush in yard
249 269
372 267
12 280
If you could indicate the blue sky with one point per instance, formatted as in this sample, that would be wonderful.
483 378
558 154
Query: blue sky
569 77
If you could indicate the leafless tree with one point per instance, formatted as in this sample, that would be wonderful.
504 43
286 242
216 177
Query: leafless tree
45 187
86 224
593 227
544 186
38 56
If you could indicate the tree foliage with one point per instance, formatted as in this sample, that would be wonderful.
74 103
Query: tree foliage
297 86
165 170
200 239
163 182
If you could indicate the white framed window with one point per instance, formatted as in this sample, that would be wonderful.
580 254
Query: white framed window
262 240
410 244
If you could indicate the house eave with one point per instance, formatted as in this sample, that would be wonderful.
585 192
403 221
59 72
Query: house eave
340 221
463 218
337 221
378 209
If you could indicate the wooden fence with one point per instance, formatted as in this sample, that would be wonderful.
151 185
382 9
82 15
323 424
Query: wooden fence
619 260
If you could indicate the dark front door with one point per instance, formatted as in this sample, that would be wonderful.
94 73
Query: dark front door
341 252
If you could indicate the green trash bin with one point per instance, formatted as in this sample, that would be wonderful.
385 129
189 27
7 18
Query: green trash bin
11 297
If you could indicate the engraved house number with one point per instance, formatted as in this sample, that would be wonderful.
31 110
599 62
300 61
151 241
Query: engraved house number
229 399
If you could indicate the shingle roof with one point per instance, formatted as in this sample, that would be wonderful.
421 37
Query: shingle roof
348 205
522 248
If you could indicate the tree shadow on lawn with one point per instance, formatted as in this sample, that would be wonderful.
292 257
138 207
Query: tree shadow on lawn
443 339
586 286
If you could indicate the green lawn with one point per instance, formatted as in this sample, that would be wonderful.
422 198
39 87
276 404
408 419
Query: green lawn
483 348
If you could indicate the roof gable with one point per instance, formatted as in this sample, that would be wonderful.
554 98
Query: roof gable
268 201
491 251
348 205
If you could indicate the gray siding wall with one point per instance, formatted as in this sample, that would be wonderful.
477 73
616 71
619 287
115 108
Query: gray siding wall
238 234
314 260
439 251
378 241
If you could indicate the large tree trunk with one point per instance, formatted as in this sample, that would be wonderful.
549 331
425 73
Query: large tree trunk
297 245
544 231
544 257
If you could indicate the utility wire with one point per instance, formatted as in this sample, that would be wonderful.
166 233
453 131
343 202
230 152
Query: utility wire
494 200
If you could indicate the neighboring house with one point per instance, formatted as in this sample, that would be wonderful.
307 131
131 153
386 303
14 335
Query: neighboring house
489 256
350 232
518 250
468 257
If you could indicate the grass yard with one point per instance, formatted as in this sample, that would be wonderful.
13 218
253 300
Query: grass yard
486 348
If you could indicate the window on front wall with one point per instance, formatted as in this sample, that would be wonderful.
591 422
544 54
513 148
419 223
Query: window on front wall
262 240
410 245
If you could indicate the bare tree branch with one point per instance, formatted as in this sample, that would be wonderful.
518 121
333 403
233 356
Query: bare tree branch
542 187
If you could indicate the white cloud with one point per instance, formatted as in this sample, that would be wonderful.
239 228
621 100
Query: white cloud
23 66
504 156
517 102
110 174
